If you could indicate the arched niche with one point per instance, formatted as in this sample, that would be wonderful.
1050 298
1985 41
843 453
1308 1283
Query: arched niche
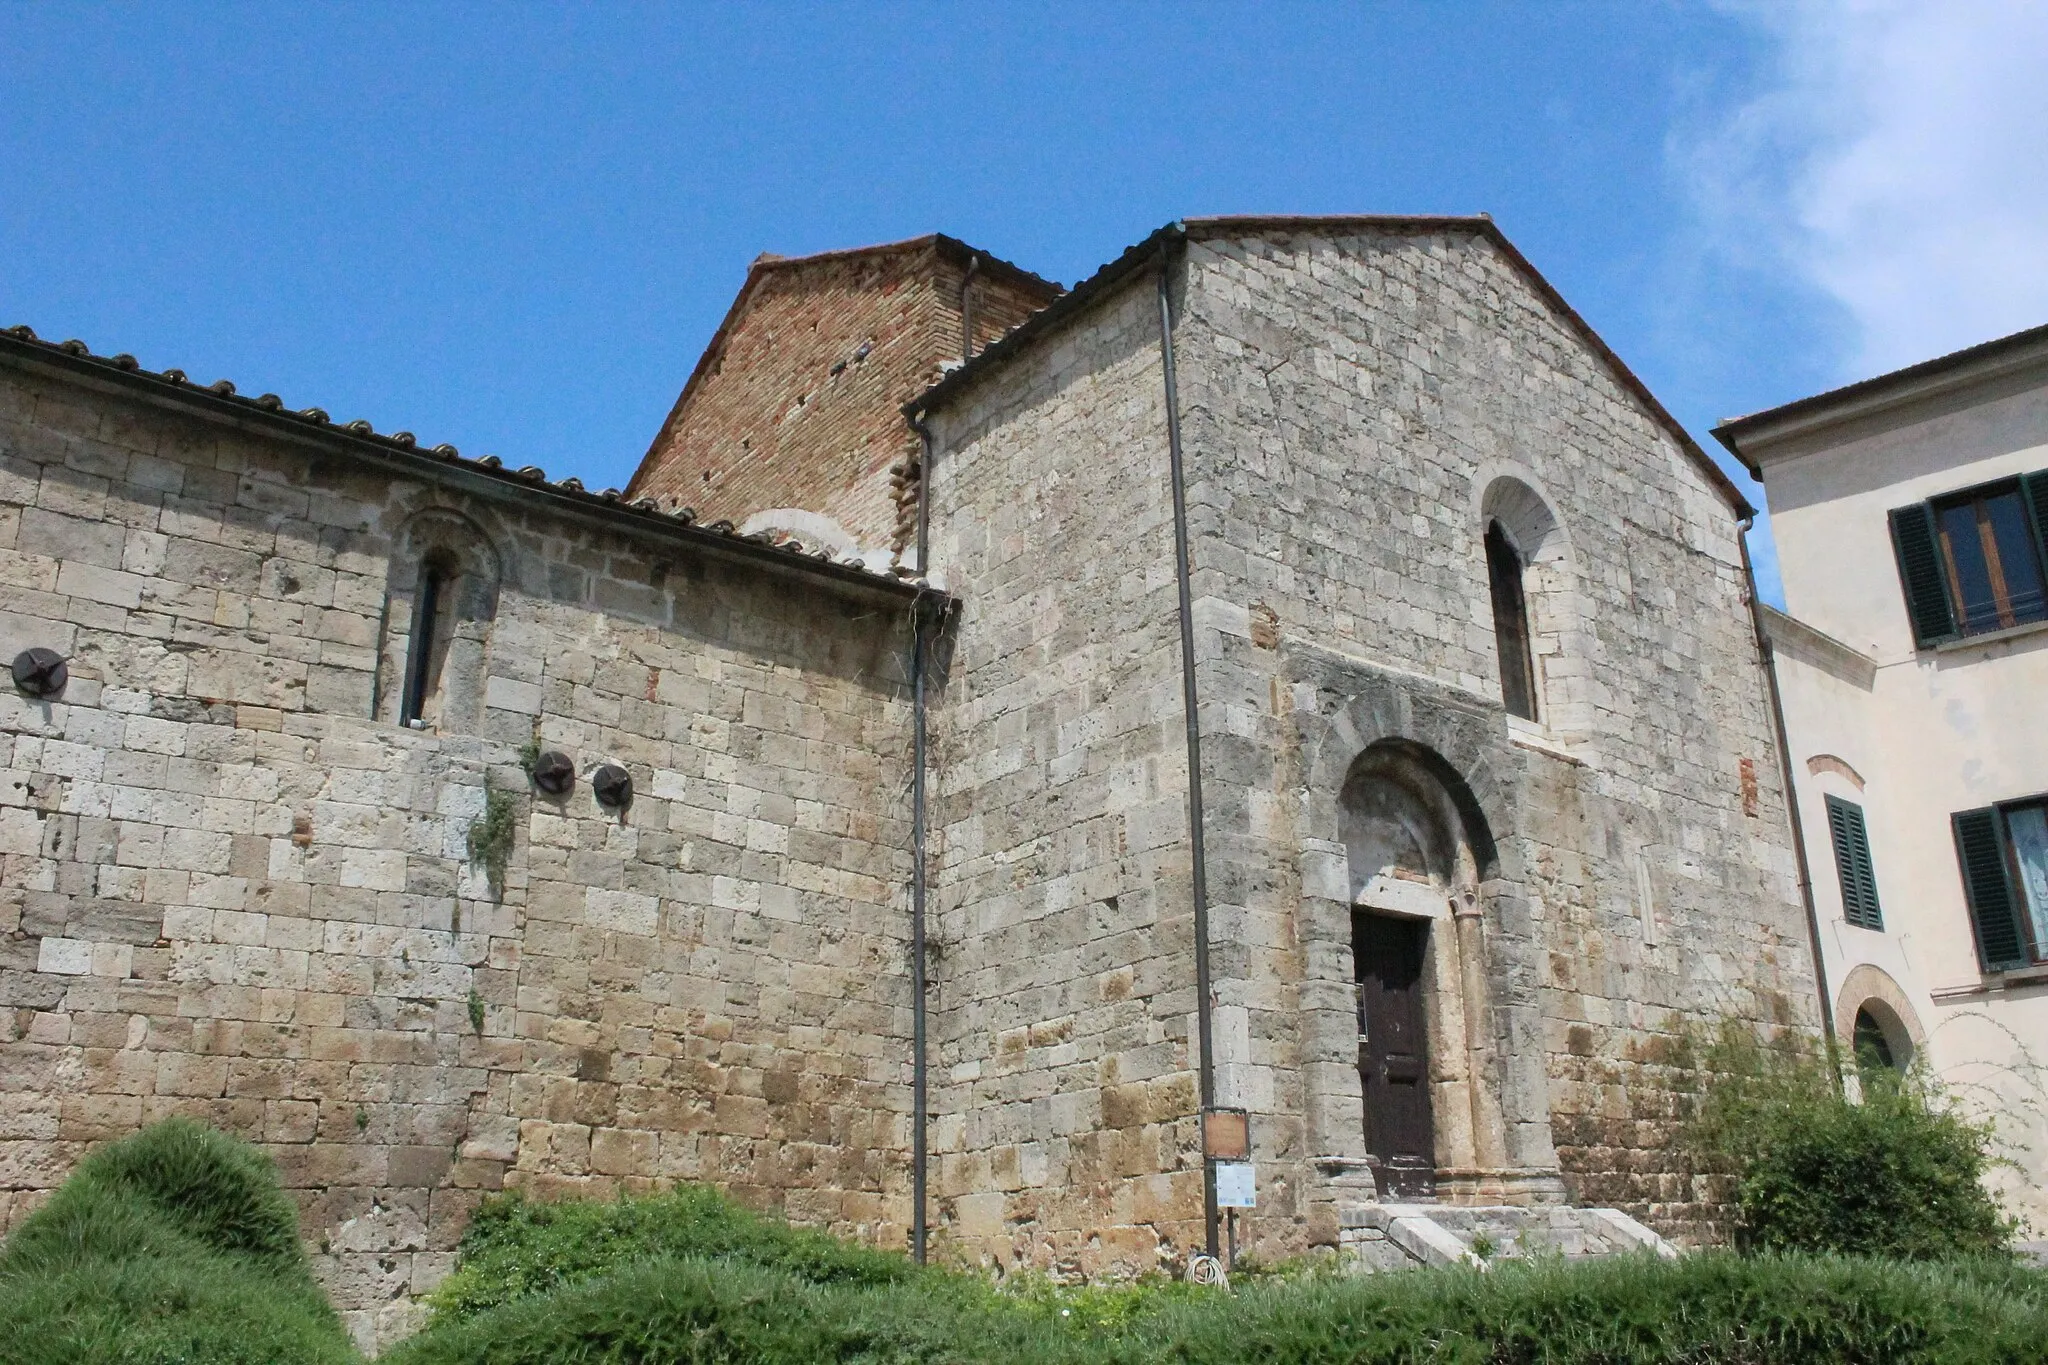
441 599
1512 509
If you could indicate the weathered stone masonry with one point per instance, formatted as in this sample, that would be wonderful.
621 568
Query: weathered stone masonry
235 873
1359 398
233 891
1359 404
1065 1085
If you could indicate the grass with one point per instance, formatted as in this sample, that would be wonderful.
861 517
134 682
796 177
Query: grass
172 1247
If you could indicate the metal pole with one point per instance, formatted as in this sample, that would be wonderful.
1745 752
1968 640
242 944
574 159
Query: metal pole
967 312
1205 1058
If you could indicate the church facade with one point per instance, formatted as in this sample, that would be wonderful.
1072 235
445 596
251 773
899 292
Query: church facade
1341 708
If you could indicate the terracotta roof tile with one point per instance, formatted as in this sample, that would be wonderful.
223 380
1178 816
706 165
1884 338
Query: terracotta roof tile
608 502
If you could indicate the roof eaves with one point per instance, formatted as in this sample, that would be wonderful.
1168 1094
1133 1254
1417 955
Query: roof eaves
1708 465
267 412
1973 364
1016 274
1228 224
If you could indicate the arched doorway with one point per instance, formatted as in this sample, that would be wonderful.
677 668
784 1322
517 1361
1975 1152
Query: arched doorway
1418 849
1409 815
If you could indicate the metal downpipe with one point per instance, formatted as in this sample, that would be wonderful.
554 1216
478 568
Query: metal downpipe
920 1106
1768 656
1205 1063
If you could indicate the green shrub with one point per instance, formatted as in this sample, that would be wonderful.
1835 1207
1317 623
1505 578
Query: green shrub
1884 1165
1712 1309
694 1310
516 1246
1704 1310
172 1247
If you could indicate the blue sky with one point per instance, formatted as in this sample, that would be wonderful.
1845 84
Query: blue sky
513 228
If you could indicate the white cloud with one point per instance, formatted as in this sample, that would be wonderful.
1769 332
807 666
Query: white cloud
1894 157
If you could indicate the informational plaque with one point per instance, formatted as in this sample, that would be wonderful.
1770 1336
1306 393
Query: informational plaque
1237 1185
1227 1135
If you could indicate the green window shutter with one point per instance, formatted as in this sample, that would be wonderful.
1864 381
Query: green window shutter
2034 493
1921 573
1853 865
1980 845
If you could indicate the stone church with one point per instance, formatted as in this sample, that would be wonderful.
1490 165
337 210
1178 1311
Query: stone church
1001 736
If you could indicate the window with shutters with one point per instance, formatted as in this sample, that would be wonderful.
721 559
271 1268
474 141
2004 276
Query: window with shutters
1975 561
2004 854
1852 864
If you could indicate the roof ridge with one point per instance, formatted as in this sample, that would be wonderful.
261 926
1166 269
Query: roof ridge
775 260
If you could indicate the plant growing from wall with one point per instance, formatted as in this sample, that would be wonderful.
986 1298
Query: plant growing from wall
476 1011
490 838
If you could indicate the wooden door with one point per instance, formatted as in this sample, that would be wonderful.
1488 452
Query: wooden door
1393 1054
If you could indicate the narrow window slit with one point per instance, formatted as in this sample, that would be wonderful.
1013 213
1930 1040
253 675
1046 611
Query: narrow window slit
428 643
1504 569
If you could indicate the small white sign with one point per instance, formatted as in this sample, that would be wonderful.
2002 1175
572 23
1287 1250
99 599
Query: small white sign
1237 1185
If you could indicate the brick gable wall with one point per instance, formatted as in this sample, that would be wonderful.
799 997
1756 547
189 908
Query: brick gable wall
797 404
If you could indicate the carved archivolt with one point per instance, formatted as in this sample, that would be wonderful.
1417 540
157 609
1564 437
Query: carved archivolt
1408 804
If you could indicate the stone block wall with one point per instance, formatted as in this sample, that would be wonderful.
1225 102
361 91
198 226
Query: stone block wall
1349 403
1063 993
234 883
795 405
229 889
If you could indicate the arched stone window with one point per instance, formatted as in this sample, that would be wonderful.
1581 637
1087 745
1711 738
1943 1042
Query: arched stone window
1874 1017
1542 645
1504 570
442 598
1873 1045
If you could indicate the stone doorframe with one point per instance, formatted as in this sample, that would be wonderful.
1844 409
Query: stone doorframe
1491 950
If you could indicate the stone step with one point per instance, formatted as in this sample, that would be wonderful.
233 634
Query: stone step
1395 1236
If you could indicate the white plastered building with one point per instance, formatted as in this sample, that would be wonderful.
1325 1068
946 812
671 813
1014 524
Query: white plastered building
1911 518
